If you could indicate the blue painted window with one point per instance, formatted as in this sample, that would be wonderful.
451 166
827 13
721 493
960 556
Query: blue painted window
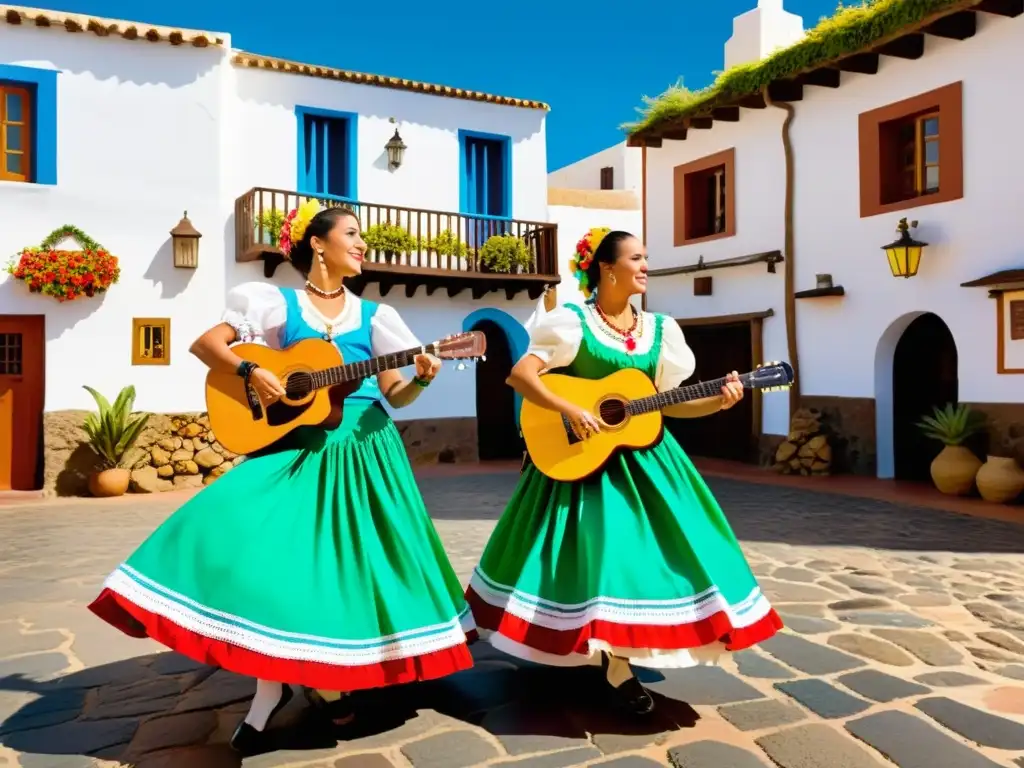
28 124
327 159
485 183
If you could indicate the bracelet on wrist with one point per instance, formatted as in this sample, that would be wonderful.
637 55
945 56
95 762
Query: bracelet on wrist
421 383
245 368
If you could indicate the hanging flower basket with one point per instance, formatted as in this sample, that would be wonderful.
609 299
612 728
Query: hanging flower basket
66 275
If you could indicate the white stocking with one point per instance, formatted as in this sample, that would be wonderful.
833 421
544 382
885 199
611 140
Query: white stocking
268 695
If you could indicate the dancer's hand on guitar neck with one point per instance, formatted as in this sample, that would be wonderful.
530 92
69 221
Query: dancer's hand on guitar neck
267 386
583 422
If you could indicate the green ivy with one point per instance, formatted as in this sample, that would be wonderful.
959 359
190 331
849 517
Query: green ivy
83 240
851 30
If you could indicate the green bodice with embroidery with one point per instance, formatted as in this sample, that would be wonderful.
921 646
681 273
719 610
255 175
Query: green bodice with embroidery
595 360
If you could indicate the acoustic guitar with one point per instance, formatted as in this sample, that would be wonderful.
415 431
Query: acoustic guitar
316 381
630 408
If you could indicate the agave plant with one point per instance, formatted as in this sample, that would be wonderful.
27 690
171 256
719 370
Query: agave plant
113 431
952 424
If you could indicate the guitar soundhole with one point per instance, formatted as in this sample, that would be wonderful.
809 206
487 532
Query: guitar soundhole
613 412
298 385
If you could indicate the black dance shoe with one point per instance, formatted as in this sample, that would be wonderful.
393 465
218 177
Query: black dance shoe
630 695
340 712
247 741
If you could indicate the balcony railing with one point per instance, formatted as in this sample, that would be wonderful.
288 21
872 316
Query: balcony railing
417 241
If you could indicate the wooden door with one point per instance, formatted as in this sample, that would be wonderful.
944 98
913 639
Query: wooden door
22 356
718 350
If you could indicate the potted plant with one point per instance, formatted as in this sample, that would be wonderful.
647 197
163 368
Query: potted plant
66 275
112 433
954 469
447 243
270 222
389 240
505 253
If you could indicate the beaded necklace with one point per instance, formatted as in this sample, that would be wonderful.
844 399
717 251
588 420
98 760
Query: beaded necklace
627 337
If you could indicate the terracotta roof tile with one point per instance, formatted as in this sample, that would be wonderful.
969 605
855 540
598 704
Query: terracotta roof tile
257 61
101 27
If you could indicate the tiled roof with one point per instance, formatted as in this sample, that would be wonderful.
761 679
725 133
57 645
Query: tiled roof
129 30
257 61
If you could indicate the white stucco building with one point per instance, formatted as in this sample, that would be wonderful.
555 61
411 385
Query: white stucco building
907 129
616 167
118 127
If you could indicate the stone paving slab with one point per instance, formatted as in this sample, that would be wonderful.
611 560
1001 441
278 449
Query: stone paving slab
892 613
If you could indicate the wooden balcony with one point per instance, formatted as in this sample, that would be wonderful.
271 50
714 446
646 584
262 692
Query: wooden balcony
410 247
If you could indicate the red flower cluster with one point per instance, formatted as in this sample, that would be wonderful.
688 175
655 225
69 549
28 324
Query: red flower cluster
66 275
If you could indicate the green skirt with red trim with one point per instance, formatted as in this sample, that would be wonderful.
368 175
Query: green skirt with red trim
315 565
637 560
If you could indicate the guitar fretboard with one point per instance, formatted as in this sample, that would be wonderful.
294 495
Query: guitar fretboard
365 368
697 391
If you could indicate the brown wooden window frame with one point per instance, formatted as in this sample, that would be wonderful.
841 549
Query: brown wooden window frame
683 179
139 324
879 150
608 177
27 109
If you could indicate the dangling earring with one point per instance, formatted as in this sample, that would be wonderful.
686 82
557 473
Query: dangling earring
323 264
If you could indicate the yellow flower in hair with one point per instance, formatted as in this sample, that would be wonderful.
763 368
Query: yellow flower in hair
303 215
597 234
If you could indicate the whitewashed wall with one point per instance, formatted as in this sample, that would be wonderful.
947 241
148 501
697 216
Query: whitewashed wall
429 125
141 137
846 344
586 173
969 238
760 174
573 223
146 131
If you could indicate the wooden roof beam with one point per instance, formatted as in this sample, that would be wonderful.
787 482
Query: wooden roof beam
906 47
861 63
1011 8
730 114
956 26
823 78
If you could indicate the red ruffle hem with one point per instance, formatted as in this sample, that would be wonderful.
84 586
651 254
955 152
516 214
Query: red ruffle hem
715 628
135 621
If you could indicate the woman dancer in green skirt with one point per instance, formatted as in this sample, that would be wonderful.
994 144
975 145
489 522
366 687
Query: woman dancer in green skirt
313 563
635 564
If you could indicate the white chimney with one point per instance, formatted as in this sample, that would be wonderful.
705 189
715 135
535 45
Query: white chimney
761 31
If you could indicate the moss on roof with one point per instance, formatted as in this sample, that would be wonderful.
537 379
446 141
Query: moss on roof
851 30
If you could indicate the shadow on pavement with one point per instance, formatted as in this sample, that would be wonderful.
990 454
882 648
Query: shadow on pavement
164 710
776 514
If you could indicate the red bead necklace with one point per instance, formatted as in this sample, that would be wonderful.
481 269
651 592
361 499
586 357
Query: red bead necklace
627 335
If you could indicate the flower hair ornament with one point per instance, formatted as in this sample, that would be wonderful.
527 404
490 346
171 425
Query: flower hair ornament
295 224
584 257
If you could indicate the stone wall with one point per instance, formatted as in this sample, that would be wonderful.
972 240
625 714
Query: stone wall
180 451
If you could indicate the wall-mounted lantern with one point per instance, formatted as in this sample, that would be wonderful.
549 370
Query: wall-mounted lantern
185 241
396 151
904 253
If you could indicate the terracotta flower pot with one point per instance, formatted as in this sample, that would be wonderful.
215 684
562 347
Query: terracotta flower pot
1000 479
954 469
109 482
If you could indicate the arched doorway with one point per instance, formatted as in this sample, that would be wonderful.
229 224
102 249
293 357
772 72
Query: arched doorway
496 419
924 375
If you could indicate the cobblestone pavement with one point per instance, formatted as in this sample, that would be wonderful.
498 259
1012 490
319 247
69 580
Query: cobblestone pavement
905 645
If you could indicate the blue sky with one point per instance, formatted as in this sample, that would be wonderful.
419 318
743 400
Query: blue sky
592 66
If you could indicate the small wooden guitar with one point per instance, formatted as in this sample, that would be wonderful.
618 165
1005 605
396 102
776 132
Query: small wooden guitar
316 381
629 408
